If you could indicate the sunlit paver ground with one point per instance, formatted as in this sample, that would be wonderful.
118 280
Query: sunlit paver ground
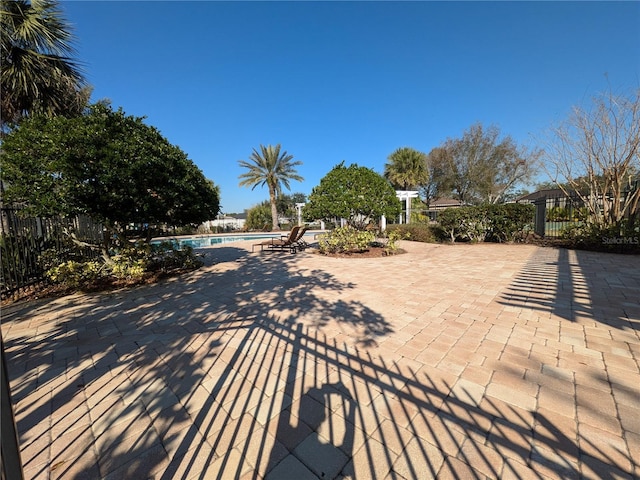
467 361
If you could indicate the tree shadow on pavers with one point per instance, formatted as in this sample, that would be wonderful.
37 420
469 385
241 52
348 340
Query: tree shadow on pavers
579 286
124 357
215 374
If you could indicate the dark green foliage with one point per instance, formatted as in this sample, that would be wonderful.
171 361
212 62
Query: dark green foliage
464 223
355 193
497 223
417 232
510 222
166 257
38 74
110 166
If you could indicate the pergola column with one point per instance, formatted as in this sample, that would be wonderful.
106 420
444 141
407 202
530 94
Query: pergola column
406 195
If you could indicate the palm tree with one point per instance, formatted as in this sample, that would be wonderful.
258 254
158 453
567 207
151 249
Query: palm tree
38 72
273 168
407 169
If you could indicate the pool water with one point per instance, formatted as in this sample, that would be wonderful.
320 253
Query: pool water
201 242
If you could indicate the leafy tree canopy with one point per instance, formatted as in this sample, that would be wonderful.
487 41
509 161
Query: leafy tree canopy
287 203
105 164
357 194
480 167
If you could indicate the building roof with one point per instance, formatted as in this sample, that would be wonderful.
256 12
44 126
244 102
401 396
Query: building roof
548 192
445 202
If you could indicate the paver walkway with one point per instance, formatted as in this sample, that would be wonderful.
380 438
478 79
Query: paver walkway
468 361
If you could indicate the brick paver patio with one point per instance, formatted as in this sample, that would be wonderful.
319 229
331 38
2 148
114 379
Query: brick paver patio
467 361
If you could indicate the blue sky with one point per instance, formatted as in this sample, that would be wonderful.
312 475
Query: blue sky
352 81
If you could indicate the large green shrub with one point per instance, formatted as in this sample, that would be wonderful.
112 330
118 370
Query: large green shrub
497 223
259 217
464 223
345 240
357 194
510 222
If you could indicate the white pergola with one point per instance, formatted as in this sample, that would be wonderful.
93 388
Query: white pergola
299 210
406 195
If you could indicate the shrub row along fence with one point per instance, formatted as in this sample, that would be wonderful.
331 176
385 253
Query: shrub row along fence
493 223
555 212
24 240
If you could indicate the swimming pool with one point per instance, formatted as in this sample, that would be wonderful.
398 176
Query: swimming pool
208 241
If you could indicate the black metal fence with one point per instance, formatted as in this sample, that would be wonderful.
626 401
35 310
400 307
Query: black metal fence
557 211
24 239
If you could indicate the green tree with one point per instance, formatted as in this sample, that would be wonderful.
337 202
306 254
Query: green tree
39 75
357 194
480 167
407 169
259 217
108 165
287 204
272 168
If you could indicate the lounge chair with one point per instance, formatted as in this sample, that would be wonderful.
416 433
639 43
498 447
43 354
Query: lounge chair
285 242
300 241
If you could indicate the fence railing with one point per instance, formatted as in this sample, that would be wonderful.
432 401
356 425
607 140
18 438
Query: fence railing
556 212
24 239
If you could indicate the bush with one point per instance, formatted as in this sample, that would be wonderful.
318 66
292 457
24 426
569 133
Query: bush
510 222
613 238
497 223
391 241
464 223
76 274
345 240
417 232
557 214
167 256
259 217
133 263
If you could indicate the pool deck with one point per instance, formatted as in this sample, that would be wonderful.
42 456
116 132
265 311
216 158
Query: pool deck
465 361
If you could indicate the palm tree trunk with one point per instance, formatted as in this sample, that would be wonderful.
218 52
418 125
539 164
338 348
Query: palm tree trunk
274 209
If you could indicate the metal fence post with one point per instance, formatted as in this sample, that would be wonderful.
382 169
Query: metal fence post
540 218
11 465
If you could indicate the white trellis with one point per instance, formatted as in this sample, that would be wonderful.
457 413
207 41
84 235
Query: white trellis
406 195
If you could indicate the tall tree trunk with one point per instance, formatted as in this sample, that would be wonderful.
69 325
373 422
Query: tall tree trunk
274 209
